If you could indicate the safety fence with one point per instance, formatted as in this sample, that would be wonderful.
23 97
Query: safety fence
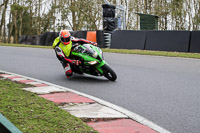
179 41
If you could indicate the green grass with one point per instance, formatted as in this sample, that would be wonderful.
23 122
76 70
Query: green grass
154 53
24 45
31 113
126 51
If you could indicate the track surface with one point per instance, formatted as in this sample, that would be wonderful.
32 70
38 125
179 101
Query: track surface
164 90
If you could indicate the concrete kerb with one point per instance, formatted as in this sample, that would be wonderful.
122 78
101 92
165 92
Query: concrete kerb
126 112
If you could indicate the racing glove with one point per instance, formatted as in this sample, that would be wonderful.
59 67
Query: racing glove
95 44
76 62
73 62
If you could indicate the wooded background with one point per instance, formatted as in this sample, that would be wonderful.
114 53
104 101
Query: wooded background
28 17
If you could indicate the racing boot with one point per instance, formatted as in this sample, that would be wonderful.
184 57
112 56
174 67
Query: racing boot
68 71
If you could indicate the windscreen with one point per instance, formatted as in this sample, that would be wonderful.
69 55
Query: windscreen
86 49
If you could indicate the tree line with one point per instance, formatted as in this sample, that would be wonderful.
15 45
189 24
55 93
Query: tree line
27 17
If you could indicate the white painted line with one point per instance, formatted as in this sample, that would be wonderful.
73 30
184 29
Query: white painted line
94 110
126 112
19 79
8 76
44 90
33 83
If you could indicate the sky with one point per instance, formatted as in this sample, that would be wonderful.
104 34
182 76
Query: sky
1 1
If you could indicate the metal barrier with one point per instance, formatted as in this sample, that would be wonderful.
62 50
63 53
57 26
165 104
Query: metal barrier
6 126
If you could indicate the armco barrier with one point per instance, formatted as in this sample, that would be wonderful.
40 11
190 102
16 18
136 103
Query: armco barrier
168 41
127 39
195 42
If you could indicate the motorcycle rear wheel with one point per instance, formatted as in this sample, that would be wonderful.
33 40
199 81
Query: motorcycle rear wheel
109 73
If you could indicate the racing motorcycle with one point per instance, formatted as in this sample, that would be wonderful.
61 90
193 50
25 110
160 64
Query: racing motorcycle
92 62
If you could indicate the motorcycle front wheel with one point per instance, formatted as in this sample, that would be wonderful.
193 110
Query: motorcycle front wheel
109 73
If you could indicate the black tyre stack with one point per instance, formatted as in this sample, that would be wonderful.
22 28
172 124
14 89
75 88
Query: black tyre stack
109 23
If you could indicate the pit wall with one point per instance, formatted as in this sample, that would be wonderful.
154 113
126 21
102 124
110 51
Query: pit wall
179 41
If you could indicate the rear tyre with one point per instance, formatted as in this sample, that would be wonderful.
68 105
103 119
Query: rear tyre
109 73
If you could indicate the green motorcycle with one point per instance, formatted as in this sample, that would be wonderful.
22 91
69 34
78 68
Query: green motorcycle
92 62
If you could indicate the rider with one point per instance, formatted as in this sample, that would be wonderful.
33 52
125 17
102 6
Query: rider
63 47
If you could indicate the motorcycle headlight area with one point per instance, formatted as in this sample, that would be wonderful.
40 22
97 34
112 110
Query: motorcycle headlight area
93 62
95 54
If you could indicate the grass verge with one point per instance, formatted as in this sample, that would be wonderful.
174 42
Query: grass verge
30 113
25 45
125 51
154 53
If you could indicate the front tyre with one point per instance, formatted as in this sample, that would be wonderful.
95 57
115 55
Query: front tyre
109 73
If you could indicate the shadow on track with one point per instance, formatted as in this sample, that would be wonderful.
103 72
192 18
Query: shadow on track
88 79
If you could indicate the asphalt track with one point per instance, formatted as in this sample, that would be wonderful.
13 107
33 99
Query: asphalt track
164 90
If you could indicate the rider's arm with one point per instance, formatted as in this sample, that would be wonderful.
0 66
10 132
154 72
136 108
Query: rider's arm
55 43
74 62
62 57
82 41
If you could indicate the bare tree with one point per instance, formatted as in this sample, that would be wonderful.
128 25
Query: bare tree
3 18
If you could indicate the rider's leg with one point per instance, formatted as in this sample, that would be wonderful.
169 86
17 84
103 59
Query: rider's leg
66 66
68 70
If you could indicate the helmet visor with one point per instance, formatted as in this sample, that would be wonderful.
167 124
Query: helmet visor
65 39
